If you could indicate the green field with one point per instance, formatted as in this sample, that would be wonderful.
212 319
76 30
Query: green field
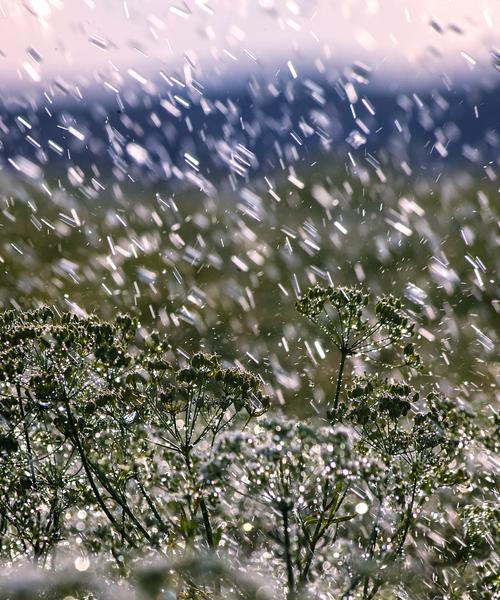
222 273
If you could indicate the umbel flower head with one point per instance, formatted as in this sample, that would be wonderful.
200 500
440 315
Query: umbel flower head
346 316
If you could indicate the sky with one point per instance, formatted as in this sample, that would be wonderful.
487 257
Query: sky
114 42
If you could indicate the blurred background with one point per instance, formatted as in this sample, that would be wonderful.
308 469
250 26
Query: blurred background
201 162
94 43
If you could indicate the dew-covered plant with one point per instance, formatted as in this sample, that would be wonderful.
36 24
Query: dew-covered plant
292 481
340 506
185 410
102 436
343 315
113 447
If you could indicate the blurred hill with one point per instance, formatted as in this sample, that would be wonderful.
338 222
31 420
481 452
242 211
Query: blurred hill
182 132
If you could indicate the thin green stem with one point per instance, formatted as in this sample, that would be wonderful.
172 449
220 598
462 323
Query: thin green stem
288 553
207 524
26 435
203 506
95 490
340 376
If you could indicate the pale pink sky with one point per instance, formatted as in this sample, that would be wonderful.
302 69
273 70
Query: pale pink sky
118 40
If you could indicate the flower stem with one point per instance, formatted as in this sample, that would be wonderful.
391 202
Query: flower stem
288 554
343 356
